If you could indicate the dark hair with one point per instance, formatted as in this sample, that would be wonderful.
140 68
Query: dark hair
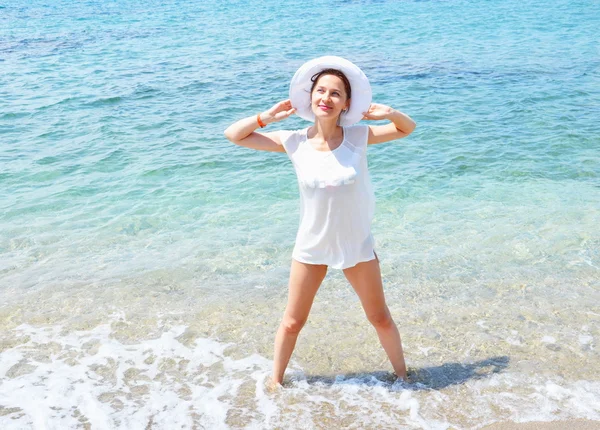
334 72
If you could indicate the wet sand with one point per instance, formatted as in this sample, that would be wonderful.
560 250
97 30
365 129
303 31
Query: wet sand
554 425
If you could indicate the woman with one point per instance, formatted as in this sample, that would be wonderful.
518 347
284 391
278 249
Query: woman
337 201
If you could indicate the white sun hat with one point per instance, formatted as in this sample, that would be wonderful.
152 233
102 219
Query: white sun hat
301 84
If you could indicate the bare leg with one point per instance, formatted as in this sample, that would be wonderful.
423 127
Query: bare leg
365 278
305 280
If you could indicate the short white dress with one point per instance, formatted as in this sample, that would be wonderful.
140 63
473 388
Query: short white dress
336 199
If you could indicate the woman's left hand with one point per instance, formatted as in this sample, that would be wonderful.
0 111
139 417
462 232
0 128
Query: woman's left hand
377 111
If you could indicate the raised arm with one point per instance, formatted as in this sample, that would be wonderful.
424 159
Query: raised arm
401 124
242 132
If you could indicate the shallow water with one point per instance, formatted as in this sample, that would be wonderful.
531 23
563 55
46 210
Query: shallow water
144 259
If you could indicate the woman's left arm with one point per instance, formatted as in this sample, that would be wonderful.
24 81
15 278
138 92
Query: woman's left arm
401 124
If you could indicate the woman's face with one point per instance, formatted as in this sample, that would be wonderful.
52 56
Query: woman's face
328 98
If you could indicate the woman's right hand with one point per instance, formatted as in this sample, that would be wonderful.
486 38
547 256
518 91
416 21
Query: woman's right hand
278 112
242 132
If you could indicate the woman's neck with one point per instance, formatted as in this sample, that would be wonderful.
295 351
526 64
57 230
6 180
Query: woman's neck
325 131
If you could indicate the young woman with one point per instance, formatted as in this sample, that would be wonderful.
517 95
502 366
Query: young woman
337 200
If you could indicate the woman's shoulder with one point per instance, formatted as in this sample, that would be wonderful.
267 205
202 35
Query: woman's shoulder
290 139
290 133
357 127
357 134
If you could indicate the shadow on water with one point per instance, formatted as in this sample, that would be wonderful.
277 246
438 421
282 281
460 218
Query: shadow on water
423 378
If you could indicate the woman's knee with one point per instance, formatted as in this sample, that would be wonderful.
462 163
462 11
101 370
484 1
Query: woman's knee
381 319
292 325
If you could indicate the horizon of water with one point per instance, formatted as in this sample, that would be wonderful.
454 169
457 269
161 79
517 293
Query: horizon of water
144 259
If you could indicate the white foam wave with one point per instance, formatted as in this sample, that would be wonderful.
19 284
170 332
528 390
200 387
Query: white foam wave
53 378
56 380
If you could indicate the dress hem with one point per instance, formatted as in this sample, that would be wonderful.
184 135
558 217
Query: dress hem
336 266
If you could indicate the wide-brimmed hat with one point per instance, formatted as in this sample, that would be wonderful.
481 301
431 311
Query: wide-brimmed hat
301 84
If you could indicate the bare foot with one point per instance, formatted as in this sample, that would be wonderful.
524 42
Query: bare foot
272 386
401 379
407 377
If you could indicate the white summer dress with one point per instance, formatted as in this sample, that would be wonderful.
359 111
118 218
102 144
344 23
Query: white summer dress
336 199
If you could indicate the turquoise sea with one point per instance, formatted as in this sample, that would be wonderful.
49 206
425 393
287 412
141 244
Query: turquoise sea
144 258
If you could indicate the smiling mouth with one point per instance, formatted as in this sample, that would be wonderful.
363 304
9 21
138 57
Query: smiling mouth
323 107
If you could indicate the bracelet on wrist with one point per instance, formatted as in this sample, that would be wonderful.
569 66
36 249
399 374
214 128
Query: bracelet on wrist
260 123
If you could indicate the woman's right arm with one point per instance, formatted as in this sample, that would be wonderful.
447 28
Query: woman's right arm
242 132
